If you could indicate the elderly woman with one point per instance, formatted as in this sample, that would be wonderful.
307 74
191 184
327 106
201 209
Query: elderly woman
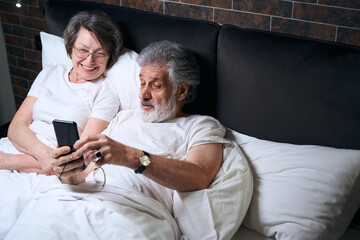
78 93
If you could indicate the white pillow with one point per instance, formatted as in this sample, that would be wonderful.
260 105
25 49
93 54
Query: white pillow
123 76
53 50
301 191
218 211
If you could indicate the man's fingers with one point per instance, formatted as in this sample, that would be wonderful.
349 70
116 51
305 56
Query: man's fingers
91 138
90 146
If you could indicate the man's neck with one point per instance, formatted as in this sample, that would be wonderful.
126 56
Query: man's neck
181 114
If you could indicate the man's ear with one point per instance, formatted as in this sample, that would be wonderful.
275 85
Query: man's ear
183 90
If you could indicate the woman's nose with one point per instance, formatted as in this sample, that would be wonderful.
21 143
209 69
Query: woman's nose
90 58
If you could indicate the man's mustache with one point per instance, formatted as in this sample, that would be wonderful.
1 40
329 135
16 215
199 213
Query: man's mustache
148 103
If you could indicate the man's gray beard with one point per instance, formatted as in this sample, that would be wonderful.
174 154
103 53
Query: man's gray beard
160 113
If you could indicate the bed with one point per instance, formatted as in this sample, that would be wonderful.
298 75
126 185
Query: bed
292 110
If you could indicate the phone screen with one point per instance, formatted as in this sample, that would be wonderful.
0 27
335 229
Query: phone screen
66 134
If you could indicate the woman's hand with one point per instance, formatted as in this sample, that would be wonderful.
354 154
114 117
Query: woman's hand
45 164
65 167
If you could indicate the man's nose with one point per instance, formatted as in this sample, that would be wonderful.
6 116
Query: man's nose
145 93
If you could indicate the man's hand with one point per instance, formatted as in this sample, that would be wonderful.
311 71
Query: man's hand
112 152
195 173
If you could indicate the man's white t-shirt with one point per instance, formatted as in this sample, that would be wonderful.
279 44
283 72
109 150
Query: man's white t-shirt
171 139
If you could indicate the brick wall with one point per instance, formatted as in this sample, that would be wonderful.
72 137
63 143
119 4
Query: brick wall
329 20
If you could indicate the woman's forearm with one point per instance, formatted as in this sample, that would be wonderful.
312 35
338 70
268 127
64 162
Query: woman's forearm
20 162
26 142
24 139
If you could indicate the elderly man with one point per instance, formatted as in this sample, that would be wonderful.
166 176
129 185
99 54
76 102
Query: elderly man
171 149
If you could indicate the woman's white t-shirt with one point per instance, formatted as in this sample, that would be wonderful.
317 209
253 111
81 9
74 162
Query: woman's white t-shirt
58 98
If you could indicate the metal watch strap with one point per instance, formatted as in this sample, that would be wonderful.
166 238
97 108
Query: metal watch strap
141 168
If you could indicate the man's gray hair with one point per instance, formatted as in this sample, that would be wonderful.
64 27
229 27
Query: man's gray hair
181 64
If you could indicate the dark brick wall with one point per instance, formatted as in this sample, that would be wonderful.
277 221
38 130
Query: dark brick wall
329 20
21 26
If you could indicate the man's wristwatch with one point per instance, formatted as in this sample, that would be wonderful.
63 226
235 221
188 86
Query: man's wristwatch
144 162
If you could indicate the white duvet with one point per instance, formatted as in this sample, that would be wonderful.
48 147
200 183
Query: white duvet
39 207
35 206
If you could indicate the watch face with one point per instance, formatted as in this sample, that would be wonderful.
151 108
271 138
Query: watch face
144 160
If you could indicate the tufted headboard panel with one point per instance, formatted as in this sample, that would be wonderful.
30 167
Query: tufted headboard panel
288 89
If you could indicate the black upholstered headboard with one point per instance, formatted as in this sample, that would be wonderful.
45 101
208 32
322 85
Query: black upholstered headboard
288 89
141 28
262 84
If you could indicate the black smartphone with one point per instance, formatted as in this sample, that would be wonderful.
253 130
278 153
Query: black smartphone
67 134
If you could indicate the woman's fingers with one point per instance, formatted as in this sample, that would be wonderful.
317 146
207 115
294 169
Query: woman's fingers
74 177
62 161
58 154
68 166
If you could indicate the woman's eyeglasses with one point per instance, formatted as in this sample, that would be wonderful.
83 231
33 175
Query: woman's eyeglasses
99 57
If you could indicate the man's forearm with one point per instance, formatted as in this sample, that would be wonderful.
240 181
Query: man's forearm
195 173
179 175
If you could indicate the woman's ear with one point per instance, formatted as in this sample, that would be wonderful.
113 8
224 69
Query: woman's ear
183 90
